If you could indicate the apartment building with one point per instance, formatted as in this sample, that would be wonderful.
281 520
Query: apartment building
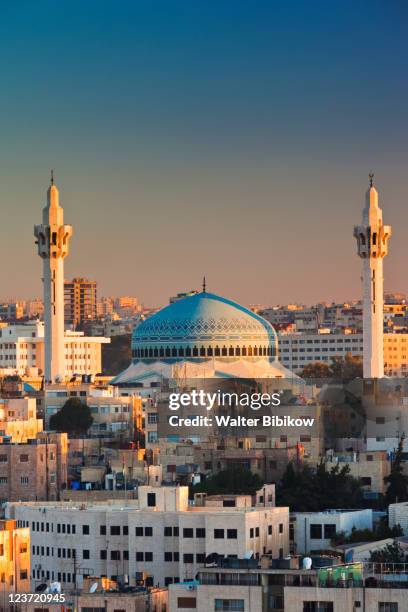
314 531
296 350
158 539
111 411
241 587
34 470
79 301
22 350
14 561
18 419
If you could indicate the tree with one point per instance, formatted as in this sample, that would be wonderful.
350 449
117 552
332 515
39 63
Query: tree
234 480
117 355
397 490
341 369
392 553
381 532
73 418
305 489
316 369
348 368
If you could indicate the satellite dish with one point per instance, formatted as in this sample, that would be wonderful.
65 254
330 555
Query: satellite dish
41 587
93 587
249 554
55 587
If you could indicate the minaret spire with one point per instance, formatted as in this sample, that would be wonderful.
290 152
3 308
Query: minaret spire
372 246
52 238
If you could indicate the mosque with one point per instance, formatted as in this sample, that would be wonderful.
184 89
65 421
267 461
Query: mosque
203 336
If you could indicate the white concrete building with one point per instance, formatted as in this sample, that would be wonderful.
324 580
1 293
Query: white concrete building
314 530
372 246
398 515
159 538
22 349
52 238
297 349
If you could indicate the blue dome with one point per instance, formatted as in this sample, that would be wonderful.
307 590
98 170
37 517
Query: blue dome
201 326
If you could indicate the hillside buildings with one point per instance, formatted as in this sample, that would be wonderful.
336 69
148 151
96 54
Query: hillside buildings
22 350
158 539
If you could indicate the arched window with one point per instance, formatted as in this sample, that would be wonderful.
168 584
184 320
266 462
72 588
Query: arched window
231 351
174 352
210 351
195 351
202 352
249 351
217 351
156 352
224 351
238 351
188 352
362 239
167 351
255 351
161 352
150 352
244 351
181 352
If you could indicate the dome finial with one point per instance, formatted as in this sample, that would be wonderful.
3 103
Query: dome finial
204 284
371 177
52 176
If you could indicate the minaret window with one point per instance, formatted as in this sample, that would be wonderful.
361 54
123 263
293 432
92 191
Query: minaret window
375 238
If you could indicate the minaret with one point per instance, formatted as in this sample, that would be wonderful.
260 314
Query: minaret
53 246
372 246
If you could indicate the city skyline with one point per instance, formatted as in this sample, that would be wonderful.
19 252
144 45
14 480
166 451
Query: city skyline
191 155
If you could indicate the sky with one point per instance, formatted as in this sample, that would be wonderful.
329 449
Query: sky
225 138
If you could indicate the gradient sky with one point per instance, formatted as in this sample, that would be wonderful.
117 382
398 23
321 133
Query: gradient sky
231 138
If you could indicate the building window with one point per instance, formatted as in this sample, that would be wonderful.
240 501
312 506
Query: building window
24 480
218 534
115 555
230 605
85 529
329 531
151 500
102 530
149 556
318 606
85 554
139 531
188 558
315 531
115 530
200 532
186 602
168 531
23 458
188 533
387 606
103 555
148 531
232 534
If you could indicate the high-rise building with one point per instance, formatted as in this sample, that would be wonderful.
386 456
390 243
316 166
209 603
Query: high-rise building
372 246
79 301
53 246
